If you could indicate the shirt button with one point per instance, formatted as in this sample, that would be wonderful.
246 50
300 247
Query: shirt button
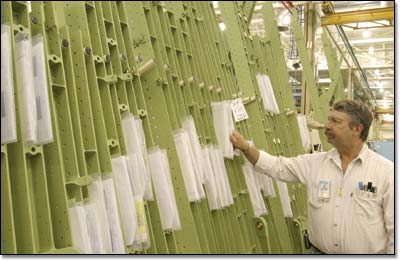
336 245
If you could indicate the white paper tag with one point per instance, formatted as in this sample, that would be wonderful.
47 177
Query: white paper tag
239 112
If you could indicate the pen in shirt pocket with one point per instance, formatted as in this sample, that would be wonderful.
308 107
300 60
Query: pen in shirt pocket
361 188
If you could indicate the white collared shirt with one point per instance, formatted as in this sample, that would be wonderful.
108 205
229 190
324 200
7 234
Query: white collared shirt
349 221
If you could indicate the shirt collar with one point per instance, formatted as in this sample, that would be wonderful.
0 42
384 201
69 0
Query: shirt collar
334 154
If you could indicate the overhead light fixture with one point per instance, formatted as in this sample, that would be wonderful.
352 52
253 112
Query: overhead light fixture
222 26
380 90
366 34
215 4
346 90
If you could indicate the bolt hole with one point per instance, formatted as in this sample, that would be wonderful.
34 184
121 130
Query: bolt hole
21 28
33 149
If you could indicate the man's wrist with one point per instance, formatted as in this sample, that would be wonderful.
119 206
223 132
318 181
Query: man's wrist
247 149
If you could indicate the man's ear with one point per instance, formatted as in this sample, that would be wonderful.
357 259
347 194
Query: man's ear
358 129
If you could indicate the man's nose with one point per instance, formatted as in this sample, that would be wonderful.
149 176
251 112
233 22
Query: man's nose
328 125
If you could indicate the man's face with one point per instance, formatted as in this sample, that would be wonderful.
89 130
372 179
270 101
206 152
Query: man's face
338 130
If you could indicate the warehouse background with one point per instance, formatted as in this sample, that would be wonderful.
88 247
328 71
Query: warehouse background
116 119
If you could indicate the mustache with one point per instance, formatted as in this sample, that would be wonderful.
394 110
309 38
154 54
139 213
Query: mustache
328 132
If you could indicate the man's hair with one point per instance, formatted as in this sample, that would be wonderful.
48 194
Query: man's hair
358 113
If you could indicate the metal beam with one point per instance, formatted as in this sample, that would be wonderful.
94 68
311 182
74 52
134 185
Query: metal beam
368 15
248 7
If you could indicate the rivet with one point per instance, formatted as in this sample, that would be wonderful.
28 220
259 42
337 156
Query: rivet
34 20
88 50
65 43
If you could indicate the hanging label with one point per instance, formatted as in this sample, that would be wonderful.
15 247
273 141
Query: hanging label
324 189
239 112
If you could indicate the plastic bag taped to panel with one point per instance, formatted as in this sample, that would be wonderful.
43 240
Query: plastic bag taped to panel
93 228
222 182
97 197
211 183
255 194
164 190
223 125
44 128
148 192
110 199
137 181
266 184
138 171
79 230
125 198
189 126
27 103
8 120
192 182
304 133
285 199
142 238
267 93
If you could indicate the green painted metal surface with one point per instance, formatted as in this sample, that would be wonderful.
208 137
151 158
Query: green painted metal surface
162 62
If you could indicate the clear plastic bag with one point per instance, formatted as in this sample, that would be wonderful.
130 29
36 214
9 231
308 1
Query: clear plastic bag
148 192
163 188
304 133
44 128
8 120
135 146
221 177
142 237
211 183
192 182
267 93
93 228
27 103
97 197
254 191
266 184
223 125
116 234
79 230
285 199
189 126
125 198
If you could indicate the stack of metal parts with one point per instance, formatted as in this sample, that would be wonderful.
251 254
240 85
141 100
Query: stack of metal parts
160 62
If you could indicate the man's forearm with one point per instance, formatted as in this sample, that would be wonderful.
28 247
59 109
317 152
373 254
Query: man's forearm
252 154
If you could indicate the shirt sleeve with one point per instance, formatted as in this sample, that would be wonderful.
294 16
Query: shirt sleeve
388 210
293 169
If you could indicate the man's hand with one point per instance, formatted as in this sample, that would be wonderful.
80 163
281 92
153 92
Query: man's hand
238 141
251 152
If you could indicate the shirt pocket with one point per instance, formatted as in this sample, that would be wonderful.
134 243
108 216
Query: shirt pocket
314 203
368 208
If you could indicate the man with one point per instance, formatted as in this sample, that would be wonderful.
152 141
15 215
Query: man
350 188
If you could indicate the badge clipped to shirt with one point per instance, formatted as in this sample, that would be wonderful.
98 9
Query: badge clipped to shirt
324 190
